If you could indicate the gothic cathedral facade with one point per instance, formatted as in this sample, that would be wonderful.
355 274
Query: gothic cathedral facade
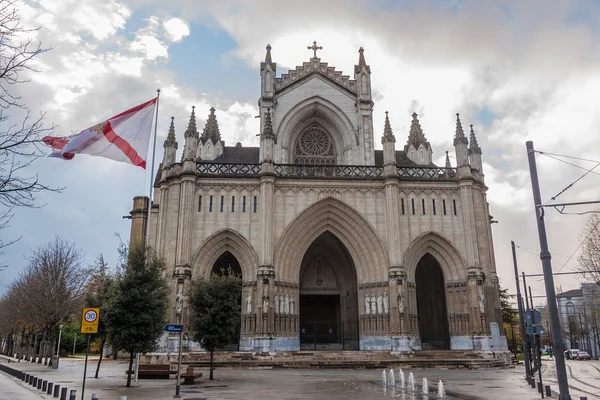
339 245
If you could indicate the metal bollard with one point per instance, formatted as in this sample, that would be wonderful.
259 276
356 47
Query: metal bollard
26 378
34 381
548 391
44 385
73 395
50 385
39 385
123 398
63 394
583 398
532 383
94 396
56 390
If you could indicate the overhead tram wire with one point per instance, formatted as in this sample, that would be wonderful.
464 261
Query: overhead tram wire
562 155
580 244
572 164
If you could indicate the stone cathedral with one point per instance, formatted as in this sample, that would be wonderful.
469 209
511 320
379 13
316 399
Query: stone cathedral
339 246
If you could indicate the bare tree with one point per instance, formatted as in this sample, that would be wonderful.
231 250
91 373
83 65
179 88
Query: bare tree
20 131
589 257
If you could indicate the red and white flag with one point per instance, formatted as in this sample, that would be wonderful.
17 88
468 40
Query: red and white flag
124 137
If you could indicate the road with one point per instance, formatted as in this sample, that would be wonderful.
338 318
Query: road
12 390
584 378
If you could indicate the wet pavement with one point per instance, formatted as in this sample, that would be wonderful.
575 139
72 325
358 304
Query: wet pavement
268 384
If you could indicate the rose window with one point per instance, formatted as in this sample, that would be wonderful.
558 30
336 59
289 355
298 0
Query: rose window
314 146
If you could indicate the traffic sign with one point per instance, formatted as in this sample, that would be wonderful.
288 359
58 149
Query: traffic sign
534 330
173 328
533 317
89 320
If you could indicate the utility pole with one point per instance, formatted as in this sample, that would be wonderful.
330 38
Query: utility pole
559 357
521 314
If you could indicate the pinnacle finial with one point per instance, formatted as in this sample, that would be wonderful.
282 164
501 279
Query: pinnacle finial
388 135
448 165
267 132
473 145
361 57
170 140
459 137
268 55
191 129
211 129
416 135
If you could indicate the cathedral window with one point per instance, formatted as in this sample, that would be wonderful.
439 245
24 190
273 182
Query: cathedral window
222 203
200 204
444 205
314 147
232 203
210 204
402 202
433 206
454 205
255 201
244 204
413 205
423 205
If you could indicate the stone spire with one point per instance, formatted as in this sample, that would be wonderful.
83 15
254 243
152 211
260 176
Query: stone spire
268 59
448 165
460 134
361 62
191 129
211 129
170 146
473 145
267 132
170 140
388 135
416 136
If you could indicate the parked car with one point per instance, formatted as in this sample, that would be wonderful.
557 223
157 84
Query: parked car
571 354
582 355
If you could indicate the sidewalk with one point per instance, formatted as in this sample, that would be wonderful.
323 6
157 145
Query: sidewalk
289 384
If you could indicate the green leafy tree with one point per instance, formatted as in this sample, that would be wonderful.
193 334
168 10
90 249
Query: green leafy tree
216 307
508 309
135 315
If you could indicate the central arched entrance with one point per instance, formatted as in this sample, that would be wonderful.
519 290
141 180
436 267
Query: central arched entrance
431 304
328 297
228 264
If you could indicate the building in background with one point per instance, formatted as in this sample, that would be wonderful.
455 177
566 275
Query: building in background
579 311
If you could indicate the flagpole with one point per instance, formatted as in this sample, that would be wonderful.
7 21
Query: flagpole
137 355
152 169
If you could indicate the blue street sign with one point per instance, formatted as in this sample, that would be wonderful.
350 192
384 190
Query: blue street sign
173 328
534 330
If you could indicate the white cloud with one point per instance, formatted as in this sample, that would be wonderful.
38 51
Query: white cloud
176 28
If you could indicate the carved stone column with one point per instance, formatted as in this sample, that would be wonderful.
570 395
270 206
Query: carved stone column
475 280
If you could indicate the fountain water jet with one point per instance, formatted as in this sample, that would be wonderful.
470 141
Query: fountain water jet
384 378
425 386
441 393
401 377
411 382
392 378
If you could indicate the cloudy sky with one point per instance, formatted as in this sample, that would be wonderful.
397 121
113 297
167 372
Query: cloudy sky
517 70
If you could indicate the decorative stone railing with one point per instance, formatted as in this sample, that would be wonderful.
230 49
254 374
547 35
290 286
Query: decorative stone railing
419 173
326 171
228 169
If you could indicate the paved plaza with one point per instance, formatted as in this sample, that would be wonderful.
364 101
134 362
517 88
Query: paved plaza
268 384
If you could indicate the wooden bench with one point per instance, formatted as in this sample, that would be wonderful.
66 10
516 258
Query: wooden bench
190 376
153 371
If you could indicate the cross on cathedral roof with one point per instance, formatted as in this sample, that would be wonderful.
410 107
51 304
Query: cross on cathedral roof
314 48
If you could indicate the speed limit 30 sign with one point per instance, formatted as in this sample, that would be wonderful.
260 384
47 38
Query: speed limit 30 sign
89 320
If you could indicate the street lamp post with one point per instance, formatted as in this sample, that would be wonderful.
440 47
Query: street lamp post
55 361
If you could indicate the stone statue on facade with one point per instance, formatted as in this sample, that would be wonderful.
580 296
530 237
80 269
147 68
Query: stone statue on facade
277 304
286 304
265 299
292 305
379 304
401 303
249 303
373 305
367 305
481 300
386 303
179 301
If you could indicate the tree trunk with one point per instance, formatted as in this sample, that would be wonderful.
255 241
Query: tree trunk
100 359
130 369
28 351
34 350
42 348
211 365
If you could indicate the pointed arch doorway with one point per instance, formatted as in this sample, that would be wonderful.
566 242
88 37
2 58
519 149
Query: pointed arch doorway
228 263
328 297
431 304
